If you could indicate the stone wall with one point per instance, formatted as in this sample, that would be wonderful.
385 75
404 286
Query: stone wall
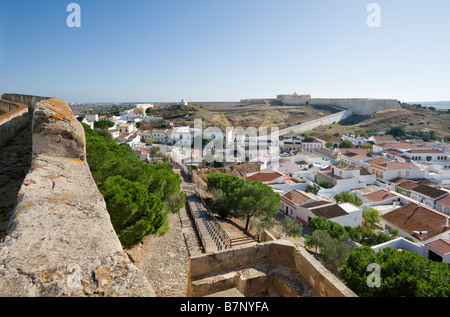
331 119
359 106
280 253
60 239
13 121
28 100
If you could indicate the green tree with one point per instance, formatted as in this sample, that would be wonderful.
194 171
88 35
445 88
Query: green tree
134 211
372 217
397 131
402 274
256 199
346 197
245 199
313 189
335 230
323 183
317 240
329 145
346 145
292 227
107 160
103 124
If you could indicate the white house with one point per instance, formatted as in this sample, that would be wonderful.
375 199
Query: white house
344 177
427 195
88 122
159 135
382 139
286 167
437 250
443 204
345 214
92 117
128 127
357 141
390 170
354 159
429 155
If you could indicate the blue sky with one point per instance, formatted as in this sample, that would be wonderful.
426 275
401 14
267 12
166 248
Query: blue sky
225 50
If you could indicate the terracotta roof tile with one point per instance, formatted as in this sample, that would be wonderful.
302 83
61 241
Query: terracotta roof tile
380 195
441 246
429 191
412 217
297 197
264 177
444 200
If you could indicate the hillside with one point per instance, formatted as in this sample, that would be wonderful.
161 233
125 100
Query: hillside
410 117
245 116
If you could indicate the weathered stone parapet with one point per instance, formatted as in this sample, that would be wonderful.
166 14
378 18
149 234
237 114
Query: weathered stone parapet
28 100
13 121
56 131
60 238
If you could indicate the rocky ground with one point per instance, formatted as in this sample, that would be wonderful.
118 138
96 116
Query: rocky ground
165 260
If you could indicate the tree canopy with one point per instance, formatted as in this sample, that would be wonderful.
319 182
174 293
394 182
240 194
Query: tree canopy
402 273
245 199
345 197
149 191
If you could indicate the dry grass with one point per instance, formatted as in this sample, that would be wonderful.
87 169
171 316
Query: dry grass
410 117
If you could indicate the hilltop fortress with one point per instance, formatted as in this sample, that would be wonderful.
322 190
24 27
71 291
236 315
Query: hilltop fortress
359 106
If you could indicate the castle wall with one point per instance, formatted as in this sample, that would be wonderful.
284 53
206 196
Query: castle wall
28 100
60 239
331 119
358 106
13 121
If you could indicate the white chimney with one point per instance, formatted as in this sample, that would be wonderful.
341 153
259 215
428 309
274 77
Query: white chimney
446 222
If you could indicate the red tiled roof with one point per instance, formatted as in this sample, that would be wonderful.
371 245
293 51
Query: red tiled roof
411 217
296 197
426 151
397 165
378 161
441 246
444 200
399 146
408 185
380 195
385 138
264 177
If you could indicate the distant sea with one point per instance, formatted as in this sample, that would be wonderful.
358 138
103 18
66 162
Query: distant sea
439 105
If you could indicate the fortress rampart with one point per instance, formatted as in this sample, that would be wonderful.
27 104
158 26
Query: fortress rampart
359 106
60 240
14 119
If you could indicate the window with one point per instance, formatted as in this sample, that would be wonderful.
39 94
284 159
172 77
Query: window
407 173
